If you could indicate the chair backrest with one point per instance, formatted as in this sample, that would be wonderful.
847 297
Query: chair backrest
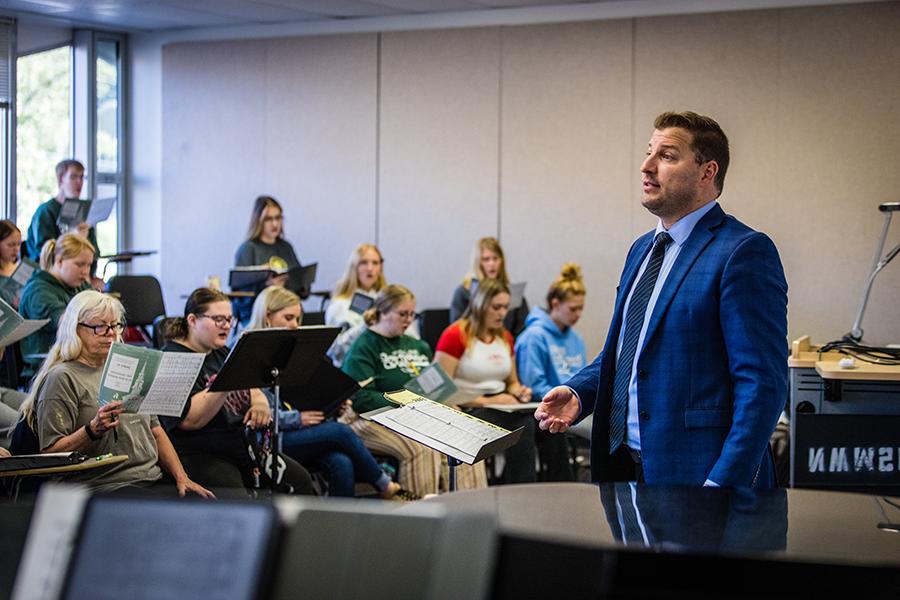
24 440
432 323
314 318
141 295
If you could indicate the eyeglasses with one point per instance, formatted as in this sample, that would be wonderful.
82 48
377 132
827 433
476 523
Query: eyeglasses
105 328
407 314
220 320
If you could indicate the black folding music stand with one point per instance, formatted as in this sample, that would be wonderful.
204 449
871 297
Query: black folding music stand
273 358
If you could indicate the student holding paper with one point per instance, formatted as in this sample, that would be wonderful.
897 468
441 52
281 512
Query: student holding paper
307 436
488 262
364 276
10 246
209 434
65 271
477 352
265 245
390 358
550 352
63 407
70 179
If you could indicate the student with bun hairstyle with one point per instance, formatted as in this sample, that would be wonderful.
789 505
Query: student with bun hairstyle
209 433
549 352
384 353
265 245
308 436
488 262
477 352
65 271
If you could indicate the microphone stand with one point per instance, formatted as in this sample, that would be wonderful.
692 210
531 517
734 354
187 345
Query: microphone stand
888 208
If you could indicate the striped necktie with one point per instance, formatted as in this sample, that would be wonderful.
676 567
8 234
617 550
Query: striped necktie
634 322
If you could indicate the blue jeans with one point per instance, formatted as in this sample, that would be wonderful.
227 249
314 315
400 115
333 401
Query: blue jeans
334 448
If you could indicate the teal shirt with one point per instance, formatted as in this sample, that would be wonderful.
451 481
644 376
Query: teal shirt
44 297
391 361
43 227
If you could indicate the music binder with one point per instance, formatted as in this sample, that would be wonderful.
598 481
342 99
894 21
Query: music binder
326 390
300 278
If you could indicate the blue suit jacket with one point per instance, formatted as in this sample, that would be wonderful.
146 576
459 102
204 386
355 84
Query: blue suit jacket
712 374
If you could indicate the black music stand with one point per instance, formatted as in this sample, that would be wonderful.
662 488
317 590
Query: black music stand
273 358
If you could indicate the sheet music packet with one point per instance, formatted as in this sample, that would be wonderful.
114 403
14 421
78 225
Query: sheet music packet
434 384
437 426
20 277
13 327
73 212
100 210
147 381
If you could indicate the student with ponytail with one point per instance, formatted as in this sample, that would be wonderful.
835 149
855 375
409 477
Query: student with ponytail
65 271
209 433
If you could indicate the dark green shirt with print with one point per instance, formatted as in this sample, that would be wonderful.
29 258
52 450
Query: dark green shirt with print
43 227
390 361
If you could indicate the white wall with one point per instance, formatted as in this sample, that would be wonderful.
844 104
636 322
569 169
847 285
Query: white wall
424 141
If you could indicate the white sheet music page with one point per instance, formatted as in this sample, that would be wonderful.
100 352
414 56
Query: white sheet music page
439 426
172 385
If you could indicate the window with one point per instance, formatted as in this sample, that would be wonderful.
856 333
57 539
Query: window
107 122
44 127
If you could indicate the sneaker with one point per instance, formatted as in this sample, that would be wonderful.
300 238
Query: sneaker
403 495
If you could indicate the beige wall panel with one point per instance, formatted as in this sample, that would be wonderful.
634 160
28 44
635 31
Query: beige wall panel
566 168
839 143
439 155
213 149
320 99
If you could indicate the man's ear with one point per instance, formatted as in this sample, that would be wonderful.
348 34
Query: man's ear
710 170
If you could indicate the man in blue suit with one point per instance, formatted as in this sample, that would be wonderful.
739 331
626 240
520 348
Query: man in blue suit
693 374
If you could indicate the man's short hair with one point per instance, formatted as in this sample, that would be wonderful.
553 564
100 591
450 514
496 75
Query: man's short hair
710 142
64 165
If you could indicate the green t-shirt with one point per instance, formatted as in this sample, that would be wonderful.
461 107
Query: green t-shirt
390 361
67 400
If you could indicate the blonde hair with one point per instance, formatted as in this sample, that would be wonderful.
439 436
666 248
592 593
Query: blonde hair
568 284
84 306
491 244
472 322
387 300
349 282
66 246
271 300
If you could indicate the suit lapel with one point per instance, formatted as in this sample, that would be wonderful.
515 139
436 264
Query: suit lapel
700 237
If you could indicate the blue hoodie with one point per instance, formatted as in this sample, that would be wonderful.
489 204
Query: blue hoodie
546 356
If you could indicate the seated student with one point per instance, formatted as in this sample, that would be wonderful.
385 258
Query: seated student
384 353
307 436
43 228
265 245
209 434
477 352
10 246
487 263
65 271
63 408
549 352
364 275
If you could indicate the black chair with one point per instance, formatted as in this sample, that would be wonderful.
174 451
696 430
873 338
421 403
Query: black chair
314 318
141 295
432 323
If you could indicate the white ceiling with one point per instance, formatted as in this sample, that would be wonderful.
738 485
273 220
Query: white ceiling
167 15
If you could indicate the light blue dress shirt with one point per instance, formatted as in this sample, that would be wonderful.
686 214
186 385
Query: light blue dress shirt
680 232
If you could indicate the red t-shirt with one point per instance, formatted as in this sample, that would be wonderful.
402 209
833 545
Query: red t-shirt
453 341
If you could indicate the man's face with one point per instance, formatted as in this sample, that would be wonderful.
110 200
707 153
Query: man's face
672 179
71 181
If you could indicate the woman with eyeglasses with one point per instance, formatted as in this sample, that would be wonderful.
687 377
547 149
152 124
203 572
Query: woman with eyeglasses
63 408
388 357
308 436
477 352
488 262
65 271
209 434
365 276
265 245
